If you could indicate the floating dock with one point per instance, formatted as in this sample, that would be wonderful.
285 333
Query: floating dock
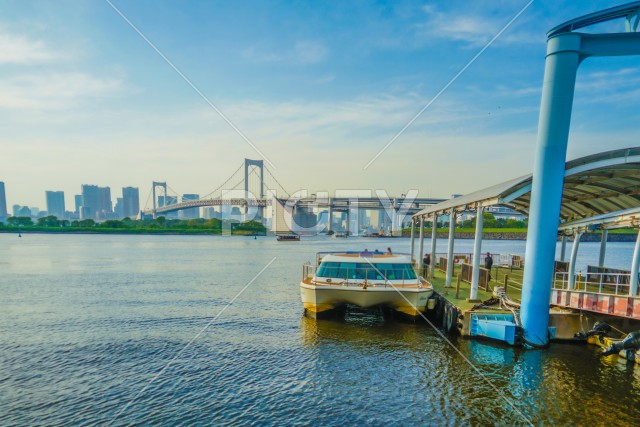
484 318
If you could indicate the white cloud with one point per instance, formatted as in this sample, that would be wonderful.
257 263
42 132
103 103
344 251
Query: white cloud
21 50
471 29
307 52
301 53
54 90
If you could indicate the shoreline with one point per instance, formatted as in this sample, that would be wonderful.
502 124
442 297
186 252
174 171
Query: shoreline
510 235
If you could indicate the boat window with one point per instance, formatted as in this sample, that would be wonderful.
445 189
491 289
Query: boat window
351 270
348 270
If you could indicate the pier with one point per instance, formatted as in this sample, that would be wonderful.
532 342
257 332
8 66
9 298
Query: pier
597 192
601 192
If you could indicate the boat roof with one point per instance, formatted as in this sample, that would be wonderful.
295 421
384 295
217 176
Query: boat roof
365 257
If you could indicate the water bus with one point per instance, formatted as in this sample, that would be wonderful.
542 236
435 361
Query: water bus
364 279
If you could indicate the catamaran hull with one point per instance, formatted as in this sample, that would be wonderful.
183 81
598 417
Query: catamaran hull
318 300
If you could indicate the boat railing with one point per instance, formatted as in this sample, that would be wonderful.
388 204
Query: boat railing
320 255
308 270
602 283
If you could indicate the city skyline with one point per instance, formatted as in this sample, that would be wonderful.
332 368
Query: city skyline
310 86
94 202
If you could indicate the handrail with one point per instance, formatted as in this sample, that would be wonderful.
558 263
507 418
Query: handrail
622 11
561 281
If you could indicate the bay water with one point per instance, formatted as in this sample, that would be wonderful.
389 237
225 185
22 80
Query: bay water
140 330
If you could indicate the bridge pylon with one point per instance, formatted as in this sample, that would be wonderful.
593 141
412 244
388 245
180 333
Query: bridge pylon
260 165
162 185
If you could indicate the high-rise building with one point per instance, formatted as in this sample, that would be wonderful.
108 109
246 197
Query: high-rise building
168 201
78 202
210 212
118 209
96 202
190 213
105 206
90 202
55 203
3 202
131 202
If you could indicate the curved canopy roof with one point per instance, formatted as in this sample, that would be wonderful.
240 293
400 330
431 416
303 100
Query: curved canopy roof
593 185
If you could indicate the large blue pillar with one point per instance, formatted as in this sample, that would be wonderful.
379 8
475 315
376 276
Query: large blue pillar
565 50
561 65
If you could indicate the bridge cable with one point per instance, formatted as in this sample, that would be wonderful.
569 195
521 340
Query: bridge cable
223 184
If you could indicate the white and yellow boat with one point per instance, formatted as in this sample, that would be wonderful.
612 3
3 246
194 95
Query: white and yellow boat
365 279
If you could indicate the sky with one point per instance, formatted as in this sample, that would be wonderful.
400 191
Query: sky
316 89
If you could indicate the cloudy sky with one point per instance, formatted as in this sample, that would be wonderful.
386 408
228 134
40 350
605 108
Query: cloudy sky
318 88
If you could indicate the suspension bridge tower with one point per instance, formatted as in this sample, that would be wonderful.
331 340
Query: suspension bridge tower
248 163
162 185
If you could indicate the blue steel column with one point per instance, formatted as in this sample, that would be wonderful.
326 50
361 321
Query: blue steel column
561 66
477 249
572 261
452 228
633 285
413 226
434 239
603 247
420 253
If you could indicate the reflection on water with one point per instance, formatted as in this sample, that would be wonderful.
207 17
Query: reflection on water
87 321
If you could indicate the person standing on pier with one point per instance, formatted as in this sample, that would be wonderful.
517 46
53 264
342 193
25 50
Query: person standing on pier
426 262
488 263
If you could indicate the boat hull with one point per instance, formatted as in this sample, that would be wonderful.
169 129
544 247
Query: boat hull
320 299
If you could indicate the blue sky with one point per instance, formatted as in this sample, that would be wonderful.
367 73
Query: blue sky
318 87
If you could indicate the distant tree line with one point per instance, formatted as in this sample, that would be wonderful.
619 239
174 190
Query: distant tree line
213 225
488 221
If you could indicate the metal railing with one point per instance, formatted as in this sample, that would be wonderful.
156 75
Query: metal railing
502 260
602 283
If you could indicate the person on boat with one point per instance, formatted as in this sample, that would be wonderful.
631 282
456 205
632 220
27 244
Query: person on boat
426 262
488 263
389 251
366 253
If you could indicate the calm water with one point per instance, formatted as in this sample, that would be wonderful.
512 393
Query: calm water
87 322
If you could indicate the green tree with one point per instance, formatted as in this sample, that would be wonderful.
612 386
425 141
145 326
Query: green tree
87 223
49 221
112 223
19 221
